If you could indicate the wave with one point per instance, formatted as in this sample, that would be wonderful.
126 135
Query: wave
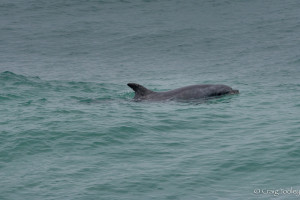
10 76
15 86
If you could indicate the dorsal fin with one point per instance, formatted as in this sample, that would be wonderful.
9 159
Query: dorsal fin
140 90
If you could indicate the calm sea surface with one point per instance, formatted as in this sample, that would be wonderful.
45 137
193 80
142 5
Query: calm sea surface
68 127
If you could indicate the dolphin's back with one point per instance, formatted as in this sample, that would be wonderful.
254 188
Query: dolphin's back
185 93
194 92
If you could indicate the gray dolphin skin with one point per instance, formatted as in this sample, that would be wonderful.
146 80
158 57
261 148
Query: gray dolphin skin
192 92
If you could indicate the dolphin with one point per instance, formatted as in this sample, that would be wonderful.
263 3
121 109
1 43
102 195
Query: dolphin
192 92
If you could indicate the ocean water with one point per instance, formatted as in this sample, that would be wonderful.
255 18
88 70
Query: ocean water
69 129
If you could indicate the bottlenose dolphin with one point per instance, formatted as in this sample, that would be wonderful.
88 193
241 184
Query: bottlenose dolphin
192 92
